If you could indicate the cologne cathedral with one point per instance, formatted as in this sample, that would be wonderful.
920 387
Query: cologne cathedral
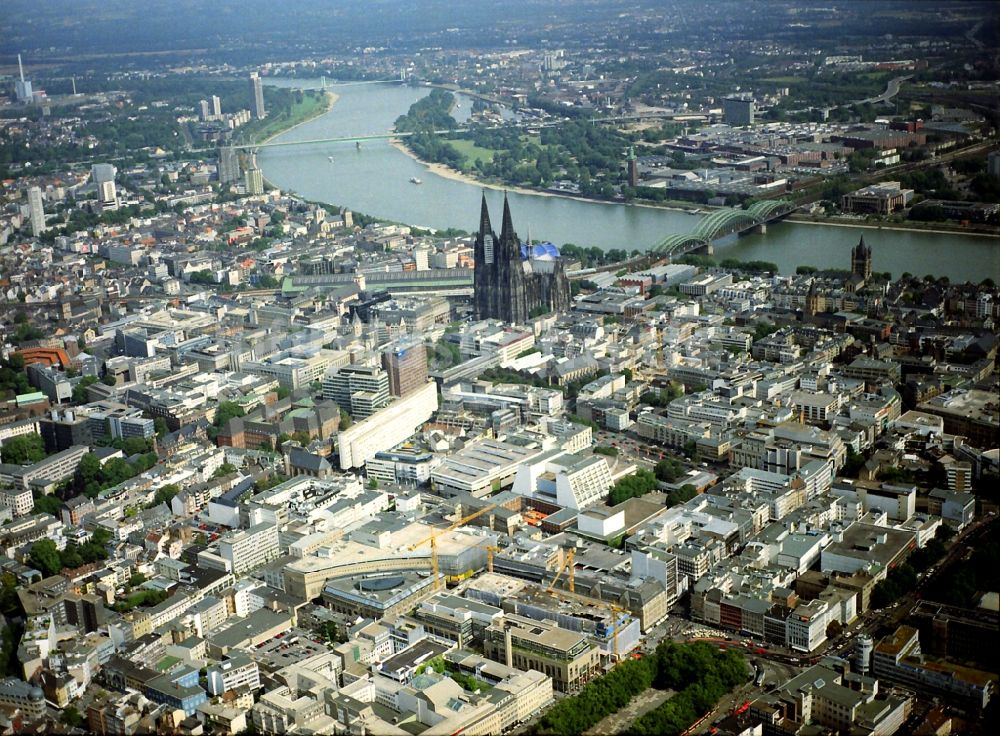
515 281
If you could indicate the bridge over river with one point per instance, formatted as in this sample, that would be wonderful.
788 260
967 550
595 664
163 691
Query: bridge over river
721 223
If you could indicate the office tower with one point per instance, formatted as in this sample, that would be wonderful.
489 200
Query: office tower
36 211
358 389
406 364
22 87
257 95
216 106
229 165
737 111
512 282
203 111
103 176
254 180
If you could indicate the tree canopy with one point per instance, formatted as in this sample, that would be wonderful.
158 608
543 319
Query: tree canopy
23 449
701 672
638 484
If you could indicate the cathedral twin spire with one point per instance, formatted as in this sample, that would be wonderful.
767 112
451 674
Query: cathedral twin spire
507 233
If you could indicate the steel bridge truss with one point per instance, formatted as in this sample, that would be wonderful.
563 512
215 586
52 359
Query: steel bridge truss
721 223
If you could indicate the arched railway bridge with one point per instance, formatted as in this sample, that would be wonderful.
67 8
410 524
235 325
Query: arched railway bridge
721 223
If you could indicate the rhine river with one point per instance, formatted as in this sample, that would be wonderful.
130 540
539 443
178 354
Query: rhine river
375 179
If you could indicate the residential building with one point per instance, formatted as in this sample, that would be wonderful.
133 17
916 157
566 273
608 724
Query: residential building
257 96
36 211
232 674
250 548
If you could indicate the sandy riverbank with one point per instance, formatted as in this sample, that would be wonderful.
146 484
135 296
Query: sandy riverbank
447 172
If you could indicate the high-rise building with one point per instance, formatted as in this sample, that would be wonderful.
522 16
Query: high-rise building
36 211
512 282
229 165
248 549
257 95
254 180
216 107
406 364
737 111
22 87
358 389
104 179
203 110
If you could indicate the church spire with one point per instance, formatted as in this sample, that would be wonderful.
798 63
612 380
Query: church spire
484 218
507 229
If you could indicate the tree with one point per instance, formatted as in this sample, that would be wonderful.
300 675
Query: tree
133 446
23 449
71 717
80 389
45 504
165 494
638 484
668 470
681 495
224 470
87 472
45 557
345 420
227 410
12 376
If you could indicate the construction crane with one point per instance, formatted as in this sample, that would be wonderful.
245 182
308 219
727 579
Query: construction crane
616 609
432 538
569 565
490 551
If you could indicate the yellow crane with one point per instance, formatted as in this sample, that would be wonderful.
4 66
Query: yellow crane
569 565
490 551
432 538
616 609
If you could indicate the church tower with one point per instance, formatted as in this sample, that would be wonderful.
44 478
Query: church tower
861 261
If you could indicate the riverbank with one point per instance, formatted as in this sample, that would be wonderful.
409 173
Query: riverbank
446 172
331 100
376 180
939 230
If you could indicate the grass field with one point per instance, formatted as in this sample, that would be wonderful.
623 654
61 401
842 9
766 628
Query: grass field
471 151
278 122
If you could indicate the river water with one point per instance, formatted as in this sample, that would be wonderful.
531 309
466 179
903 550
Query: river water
375 180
